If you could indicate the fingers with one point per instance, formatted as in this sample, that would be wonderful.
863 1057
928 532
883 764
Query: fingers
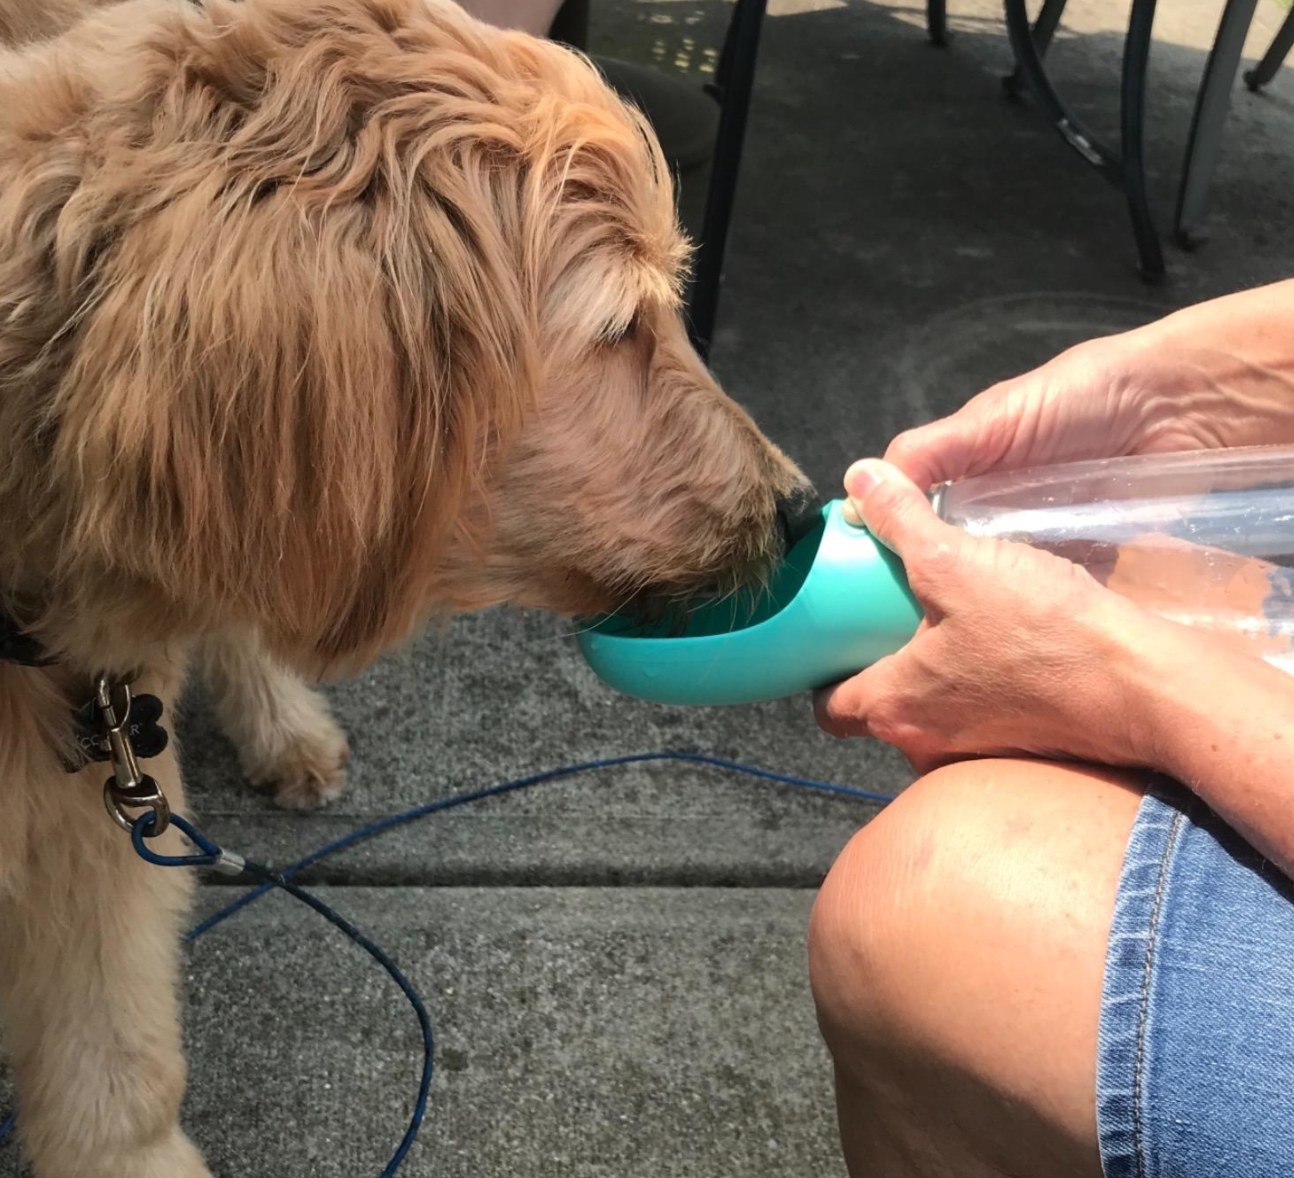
931 454
1082 404
970 441
842 710
869 705
893 509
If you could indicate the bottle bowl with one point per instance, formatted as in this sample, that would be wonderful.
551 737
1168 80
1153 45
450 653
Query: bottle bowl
838 602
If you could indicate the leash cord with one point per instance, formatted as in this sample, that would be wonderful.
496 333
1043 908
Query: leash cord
210 854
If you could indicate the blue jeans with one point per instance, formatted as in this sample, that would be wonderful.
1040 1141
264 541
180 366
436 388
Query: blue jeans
1195 1067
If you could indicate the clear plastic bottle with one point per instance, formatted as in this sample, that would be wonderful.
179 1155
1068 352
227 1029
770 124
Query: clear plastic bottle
1205 538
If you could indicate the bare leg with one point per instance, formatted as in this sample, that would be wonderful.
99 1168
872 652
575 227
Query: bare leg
286 737
530 16
89 979
957 952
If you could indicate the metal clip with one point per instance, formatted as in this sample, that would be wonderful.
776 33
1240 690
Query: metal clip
127 788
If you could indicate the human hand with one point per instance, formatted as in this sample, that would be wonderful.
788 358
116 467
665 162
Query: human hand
1020 651
1209 376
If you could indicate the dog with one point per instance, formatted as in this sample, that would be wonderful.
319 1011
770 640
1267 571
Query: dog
320 321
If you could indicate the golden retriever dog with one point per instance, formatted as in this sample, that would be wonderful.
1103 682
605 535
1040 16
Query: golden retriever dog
319 320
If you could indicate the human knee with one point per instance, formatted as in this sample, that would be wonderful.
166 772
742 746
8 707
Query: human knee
869 902
963 852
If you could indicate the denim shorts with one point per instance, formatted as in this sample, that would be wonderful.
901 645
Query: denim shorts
1195 1064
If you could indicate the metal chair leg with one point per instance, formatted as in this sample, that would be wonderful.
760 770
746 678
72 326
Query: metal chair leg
1125 170
1204 144
1136 54
1044 28
735 81
1054 108
571 24
937 21
1275 56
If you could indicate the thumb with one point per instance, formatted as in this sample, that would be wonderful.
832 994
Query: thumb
891 506
980 436
933 453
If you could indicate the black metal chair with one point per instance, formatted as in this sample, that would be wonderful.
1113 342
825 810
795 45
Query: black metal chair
734 82
1124 168
731 88
1274 58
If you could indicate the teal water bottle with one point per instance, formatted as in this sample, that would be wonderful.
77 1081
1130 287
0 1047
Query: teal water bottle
1205 538
839 602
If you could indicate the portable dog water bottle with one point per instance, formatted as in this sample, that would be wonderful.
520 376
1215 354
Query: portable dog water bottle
839 602
1202 537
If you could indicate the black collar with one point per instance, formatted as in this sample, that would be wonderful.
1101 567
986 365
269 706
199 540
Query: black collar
17 646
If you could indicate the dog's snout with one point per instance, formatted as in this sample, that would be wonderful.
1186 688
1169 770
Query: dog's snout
797 512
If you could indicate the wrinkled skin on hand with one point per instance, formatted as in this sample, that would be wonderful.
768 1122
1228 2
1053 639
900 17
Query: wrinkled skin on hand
1013 655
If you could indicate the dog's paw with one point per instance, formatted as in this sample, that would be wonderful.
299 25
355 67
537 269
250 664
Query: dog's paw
302 761
172 1157
175 1158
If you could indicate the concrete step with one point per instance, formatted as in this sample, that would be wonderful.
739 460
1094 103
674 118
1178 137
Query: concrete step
627 1032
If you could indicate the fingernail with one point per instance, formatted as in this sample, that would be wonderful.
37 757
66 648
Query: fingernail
859 480
863 476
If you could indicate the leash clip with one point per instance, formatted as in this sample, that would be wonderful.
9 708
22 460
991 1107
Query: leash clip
127 788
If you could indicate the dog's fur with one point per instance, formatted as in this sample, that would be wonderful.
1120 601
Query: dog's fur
318 318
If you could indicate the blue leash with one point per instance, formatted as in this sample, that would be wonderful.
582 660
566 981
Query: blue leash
210 854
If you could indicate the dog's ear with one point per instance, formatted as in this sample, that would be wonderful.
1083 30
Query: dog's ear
599 192
295 282
266 313
279 400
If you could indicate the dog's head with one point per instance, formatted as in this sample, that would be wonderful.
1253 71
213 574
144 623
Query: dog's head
327 314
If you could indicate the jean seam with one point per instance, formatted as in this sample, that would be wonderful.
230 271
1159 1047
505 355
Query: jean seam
1143 1013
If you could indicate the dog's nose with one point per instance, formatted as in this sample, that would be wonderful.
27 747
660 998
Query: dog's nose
797 513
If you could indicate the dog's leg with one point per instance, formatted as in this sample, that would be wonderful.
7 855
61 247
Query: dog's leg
89 979
286 737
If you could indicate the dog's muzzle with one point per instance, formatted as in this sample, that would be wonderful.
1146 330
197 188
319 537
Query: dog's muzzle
797 513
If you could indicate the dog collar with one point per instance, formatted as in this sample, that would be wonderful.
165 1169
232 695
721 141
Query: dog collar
140 722
17 646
